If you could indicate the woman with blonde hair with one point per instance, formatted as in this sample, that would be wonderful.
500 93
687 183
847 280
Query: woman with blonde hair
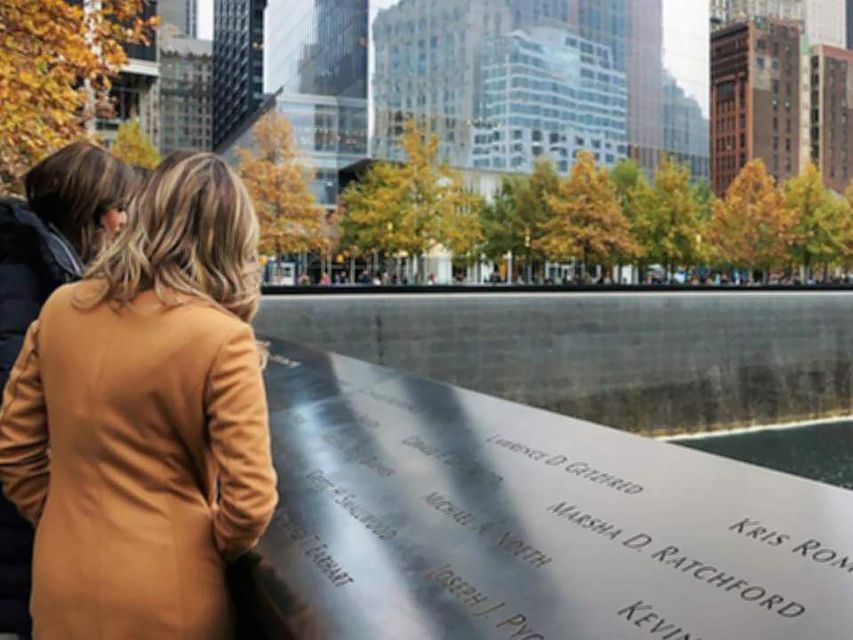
134 431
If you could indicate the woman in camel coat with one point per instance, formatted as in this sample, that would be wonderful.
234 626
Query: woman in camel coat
134 432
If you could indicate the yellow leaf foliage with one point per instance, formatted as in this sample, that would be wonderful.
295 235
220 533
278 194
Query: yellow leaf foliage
278 181
751 228
134 147
55 68
667 217
411 207
586 221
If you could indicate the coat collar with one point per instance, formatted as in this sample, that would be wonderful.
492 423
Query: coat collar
55 247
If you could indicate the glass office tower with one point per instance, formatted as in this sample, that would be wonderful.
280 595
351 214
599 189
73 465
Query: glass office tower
500 82
316 54
546 92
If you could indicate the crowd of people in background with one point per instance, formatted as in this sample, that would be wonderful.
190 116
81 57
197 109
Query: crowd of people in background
368 278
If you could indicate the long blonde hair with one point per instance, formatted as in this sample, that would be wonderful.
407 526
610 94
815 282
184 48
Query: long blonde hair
192 232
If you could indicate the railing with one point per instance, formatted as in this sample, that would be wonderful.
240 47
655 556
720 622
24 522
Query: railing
350 289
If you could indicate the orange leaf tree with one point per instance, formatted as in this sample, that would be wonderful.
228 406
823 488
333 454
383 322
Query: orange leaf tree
278 180
56 61
586 220
751 228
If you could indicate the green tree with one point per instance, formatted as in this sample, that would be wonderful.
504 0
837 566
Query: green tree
134 147
751 228
586 220
632 190
500 217
513 221
705 197
819 220
373 216
626 177
412 207
668 219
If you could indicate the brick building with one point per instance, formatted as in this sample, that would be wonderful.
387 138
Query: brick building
831 81
755 99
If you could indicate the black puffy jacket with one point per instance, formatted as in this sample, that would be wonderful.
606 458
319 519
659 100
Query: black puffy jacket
34 260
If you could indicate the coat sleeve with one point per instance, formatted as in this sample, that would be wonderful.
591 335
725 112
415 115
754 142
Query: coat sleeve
238 423
21 297
24 460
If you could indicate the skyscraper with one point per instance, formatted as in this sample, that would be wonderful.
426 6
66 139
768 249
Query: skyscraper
186 66
349 73
548 93
825 21
182 14
724 12
238 64
685 129
527 13
427 67
316 62
633 30
832 114
134 92
755 99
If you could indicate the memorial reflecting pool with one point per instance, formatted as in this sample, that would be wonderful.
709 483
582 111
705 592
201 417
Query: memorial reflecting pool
821 452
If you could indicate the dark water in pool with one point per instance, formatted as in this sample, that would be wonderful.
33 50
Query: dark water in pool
821 452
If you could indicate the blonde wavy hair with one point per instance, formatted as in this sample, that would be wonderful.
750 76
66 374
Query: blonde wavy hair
192 233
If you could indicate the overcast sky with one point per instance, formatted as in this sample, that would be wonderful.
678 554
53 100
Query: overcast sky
205 19
685 24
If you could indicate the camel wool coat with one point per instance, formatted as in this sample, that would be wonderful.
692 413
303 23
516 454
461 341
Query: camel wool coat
136 441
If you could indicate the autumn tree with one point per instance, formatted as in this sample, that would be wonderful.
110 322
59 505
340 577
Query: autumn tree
626 177
134 147
513 221
632 190
55 69
439 207
586 220
412 207
668 218
278 180
751 228
819 220
372 219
